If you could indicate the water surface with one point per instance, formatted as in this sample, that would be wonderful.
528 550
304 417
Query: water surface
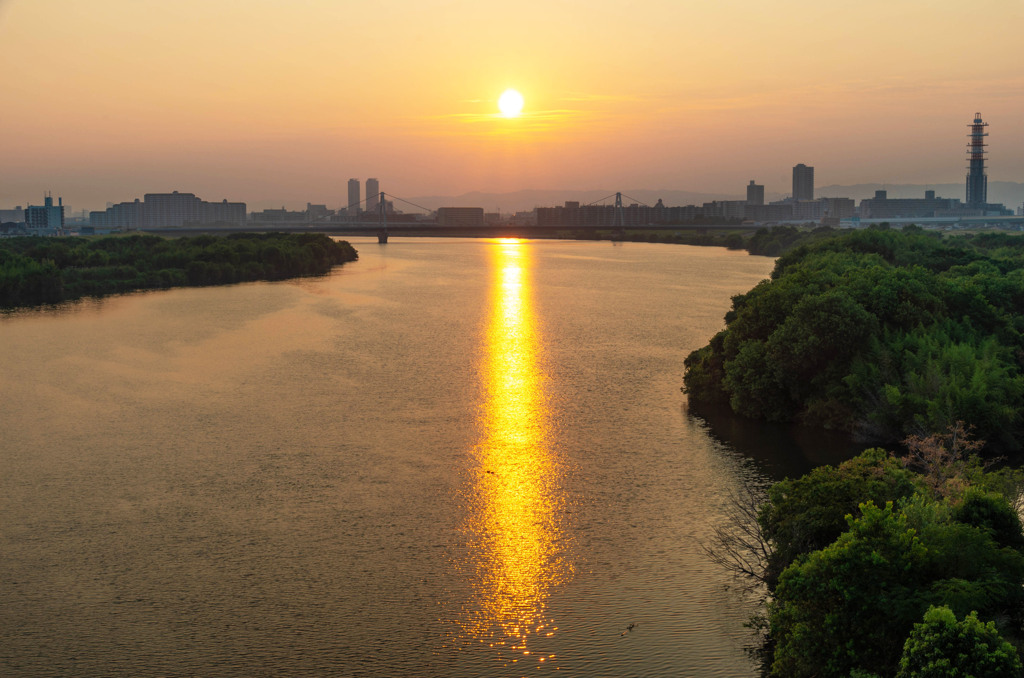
452 457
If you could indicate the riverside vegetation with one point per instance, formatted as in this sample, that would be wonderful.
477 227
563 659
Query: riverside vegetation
883 566
880 333
764 241
39 270
909 567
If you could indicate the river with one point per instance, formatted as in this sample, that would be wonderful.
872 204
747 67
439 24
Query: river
450 458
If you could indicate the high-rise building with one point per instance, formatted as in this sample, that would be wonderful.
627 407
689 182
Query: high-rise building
803 182
755 193
353 197
977 181
372 194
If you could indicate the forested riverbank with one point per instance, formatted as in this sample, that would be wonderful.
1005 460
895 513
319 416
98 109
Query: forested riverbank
770 242
38 270
879 333
885 566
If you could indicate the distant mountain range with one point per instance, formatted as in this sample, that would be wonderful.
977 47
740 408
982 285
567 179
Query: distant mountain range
1009 193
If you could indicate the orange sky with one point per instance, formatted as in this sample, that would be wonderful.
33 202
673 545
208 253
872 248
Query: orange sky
281 101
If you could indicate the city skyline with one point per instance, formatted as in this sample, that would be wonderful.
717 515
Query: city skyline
283 104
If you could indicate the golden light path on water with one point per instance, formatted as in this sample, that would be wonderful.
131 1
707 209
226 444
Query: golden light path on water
515 527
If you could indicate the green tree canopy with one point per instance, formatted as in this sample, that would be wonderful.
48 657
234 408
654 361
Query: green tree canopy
878 332
805 514
39 270
850 605
941 646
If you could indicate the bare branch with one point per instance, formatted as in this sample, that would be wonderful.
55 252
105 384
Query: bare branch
737 543
944 459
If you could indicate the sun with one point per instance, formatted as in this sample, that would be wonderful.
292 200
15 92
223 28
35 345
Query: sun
510 103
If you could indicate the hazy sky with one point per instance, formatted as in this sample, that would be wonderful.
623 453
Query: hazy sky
282 101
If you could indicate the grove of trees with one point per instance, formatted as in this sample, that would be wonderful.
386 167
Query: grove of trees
888 567
40 270
881 333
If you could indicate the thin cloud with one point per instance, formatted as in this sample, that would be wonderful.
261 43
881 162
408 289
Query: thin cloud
615 98
497 125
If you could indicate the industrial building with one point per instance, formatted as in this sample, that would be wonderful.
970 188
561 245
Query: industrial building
45 218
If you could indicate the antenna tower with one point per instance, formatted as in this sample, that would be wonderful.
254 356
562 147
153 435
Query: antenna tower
977 180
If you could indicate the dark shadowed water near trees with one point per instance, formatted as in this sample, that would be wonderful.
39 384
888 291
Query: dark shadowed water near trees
450 458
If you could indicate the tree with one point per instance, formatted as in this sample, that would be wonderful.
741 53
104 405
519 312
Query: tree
738 543
850 604
805 514
941 646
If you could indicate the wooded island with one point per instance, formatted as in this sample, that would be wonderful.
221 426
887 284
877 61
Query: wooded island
39 270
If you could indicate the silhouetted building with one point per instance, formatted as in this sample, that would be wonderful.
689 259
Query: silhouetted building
48 217
171 209
372 194
776 211
881 207
15 216
755 193
725 209
353 197
803 182
574 215
222 212
120 217
977 181
807 210
839 208
460 216
317 212
525 218
884 207
158 210
277 216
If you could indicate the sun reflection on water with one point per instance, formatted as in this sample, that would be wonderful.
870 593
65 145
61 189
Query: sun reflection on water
515 525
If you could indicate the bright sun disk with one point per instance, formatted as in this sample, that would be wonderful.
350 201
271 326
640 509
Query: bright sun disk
510 103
